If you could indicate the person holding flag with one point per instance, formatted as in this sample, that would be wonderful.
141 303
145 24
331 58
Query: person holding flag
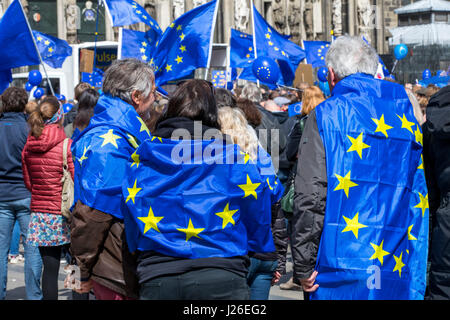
193 216
360 220
101 152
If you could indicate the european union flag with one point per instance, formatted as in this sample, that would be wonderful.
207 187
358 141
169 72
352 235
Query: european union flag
95 78
242 52
295 109
128 12
374 243
316 52
15 39
101 152
53 50
197 199
186 44
137 44
219 78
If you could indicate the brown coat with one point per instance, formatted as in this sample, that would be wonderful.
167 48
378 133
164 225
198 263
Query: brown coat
99 247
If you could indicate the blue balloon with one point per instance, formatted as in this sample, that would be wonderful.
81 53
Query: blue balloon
400 51
38 93
28 86
67 107
322 74
35 77
426 74
266 70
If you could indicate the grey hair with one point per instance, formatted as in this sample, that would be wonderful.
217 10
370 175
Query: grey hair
351 54
127 75
252 93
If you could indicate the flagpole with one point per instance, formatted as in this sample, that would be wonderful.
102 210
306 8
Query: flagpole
37 50
208 64
119 49
254 34
96 35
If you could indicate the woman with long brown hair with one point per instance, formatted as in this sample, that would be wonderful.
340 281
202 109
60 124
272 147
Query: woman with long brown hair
42 163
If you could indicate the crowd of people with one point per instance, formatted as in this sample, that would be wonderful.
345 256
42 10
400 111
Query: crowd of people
106 135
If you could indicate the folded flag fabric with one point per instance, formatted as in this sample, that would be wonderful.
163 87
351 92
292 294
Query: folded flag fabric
138 45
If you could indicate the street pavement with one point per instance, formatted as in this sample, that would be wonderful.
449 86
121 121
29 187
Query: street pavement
15 289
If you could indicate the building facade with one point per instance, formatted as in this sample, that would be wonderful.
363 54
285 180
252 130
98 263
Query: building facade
75 20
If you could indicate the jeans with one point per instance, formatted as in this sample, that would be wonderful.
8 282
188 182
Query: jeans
11 211
200 284
15 240
259 278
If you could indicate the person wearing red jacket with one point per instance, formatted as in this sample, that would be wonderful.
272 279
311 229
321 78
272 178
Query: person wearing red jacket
42 164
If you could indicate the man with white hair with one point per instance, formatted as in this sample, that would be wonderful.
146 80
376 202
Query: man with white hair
360 224
101 153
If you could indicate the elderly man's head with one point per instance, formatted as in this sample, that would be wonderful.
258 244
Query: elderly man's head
132 81
349 55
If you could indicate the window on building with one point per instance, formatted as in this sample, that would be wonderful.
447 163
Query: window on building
414 19
441 17
425 18
403 20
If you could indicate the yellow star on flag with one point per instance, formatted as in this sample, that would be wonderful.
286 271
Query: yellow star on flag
136 160
277 49
268 183
144 57
159 138
150 222
270 43
168 67
357 145
47 42
182 36
421 165
423 204
405 123
39 38
132 192
268 36
179 59
182 48
227 216
353 225
249 188
246 157
379 252
345 183
172 25
382 126
410 236
419 135
142 50
398 264
110 137
191 231
144 44
83 157
143 126
132 141
50 49
179 27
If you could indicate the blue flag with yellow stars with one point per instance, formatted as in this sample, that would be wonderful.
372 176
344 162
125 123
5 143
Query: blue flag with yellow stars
219 78
272 44
242 52
374 242
5 79
53 50
16 42
137 44
128 12
95 79
198 199
186 44
101 153
316 52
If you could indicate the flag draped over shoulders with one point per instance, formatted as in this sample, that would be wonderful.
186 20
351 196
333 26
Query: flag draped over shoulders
101 152
198 199
375 236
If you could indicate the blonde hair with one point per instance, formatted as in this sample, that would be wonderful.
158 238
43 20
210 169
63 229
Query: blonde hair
311 98
233 123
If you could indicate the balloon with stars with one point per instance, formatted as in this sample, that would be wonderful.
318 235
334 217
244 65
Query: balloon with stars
266 70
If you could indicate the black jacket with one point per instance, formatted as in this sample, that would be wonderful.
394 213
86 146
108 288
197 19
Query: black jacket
13 136
309 200
436 143
286 125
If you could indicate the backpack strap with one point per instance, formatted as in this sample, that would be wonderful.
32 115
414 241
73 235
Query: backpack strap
65 145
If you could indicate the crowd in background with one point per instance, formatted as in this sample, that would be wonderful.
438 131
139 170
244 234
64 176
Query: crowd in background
32 134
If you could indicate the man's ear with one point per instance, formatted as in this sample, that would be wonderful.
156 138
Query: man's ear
333 79
136 98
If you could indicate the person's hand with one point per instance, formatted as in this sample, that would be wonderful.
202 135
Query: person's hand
85 287
276 277
308 284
